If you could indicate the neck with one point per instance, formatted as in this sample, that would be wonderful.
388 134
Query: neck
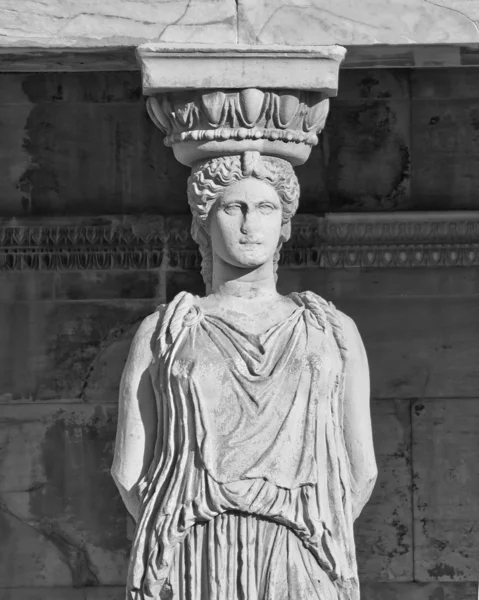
247 284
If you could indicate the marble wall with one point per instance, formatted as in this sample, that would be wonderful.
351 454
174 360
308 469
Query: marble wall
79 148
125 22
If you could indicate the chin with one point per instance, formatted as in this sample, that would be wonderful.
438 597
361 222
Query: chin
250 261
250 264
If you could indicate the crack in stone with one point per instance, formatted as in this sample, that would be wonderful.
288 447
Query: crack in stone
237 19
74 554
176 22
110 338
474 24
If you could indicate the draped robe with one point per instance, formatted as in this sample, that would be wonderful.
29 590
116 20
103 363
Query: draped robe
248 494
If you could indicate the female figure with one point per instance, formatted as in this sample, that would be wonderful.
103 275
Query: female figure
244 448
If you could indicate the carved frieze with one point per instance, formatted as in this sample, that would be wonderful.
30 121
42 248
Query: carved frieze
77 244
333 241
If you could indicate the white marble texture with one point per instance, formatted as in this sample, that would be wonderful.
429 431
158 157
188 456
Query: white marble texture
351 22
244 447
86 23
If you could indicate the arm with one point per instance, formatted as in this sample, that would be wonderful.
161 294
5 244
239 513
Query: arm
137 418
357 428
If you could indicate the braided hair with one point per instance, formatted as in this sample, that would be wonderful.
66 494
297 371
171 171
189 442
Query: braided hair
208 181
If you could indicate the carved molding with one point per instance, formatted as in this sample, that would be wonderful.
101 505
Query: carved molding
269 99
289 115
41 58
79 244
202 123
167 67
334 241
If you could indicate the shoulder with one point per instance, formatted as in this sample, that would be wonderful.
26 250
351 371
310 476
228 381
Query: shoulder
344 328
141 349
349 326
150 323
153 323
352 337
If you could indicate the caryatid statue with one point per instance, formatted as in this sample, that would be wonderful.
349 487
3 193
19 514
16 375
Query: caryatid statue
244 449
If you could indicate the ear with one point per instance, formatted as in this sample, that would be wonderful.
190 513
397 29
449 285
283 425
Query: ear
285 232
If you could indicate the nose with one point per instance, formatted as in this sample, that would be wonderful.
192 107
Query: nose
247 222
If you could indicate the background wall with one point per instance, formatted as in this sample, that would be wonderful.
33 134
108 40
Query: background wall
80 161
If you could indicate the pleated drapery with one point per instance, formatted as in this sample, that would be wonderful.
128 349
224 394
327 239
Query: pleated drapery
248 495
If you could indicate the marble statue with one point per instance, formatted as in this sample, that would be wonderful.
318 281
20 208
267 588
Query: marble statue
244 449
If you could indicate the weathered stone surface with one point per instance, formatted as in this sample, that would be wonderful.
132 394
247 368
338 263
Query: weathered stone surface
369 591
59 593
116 23
446 509
127 23
64 522
81 143
445 121
55 350
369 158
374 84
446 153
420 347
419 591
178 281
237 371
338 285
108 285
444 84
417 346
30 286
176 67
75 143
384 537
346 22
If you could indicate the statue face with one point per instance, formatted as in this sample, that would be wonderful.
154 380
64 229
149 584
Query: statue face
245 223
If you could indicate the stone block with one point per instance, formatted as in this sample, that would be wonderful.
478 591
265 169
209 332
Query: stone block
446 484
419 347
422 343
63 520
444 84
447 126
332 22
313 179
29 286
446 152
184 281
343 284
374 84
14 160
446 181
384 538
116 23
80 87
66 350
83 144
64 593
419 591
106 285
368 157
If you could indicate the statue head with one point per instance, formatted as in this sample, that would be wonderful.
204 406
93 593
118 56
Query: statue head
242 208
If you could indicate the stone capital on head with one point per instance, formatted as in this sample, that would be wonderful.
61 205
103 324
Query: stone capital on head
236 112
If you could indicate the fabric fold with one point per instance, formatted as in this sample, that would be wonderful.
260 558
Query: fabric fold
249 453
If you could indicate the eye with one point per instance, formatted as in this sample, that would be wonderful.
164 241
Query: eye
232 209
266 208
